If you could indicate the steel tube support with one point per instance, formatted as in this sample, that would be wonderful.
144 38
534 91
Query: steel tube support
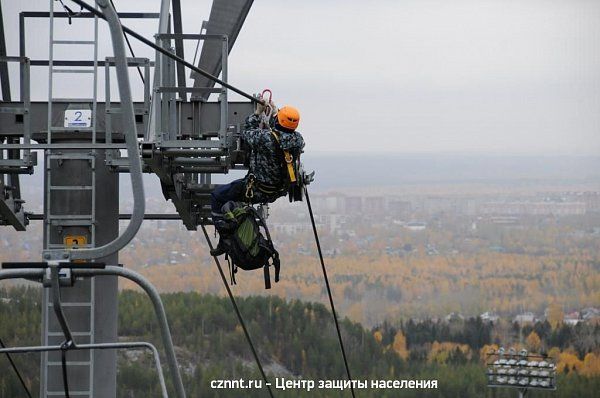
158 308
15 170
38 273
4 76
100 346
196 162
172 152
56 304
32 273
202 169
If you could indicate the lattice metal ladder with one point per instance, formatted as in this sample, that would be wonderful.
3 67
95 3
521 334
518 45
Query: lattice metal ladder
78 301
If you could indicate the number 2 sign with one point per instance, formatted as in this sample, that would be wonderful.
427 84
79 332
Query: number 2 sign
78 118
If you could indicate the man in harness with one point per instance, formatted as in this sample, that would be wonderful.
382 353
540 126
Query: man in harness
275 146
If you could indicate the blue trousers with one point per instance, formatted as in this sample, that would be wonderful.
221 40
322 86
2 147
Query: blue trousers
224 193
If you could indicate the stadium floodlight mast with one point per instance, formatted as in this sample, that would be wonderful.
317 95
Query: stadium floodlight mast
522 371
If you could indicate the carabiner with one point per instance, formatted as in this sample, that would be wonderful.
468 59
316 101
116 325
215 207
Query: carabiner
266 90
249 187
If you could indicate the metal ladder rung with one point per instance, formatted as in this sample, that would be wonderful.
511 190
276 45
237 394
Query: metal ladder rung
68 129
91 42
61 246
70 363
75 334
70 156
69 217
71 223
137 111
73 304
70 187
71 393
17 111
72 100
55 70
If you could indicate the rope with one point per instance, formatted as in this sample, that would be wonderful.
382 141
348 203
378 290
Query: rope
335 318
70 12
174 57
63 360
14 366
130 48
238 313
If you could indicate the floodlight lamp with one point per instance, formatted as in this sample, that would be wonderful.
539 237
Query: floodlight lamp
523 352
523 382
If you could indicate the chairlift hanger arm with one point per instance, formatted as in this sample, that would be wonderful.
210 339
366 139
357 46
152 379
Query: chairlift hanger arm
147 42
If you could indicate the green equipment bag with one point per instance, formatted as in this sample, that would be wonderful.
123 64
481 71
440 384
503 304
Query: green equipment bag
245 245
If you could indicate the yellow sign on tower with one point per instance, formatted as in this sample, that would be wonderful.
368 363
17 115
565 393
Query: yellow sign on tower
75 241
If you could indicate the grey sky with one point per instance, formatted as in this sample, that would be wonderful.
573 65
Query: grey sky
487 76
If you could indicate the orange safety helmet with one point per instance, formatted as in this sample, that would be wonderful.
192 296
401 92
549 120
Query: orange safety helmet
288 117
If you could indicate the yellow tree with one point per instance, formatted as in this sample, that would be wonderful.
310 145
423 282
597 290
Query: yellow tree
399 345
554 352
555 315
378 336
534 342
591 365
567 362
487 349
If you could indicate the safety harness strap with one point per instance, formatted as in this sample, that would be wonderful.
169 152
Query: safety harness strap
288 159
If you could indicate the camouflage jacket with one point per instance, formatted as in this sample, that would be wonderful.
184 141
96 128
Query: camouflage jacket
266 160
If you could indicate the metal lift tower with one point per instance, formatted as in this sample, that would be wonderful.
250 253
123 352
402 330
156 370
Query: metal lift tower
175 133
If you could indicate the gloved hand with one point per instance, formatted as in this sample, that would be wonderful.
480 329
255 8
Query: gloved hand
273 109
308 177
260 108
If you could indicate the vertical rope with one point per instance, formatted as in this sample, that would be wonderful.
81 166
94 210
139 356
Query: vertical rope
335 318
14 366
238 313
63 360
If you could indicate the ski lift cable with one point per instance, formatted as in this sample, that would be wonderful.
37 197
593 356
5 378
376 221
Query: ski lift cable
174 57
335 318
14 366
238 313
